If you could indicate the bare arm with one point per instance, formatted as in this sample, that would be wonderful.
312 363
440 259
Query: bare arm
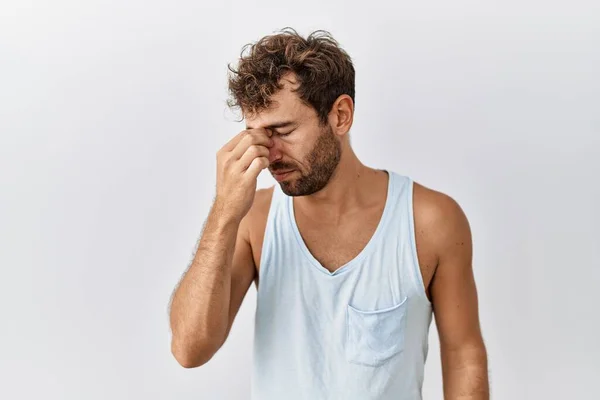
208 297
210 293
455 305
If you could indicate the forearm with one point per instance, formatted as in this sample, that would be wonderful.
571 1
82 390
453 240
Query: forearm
465 373
200 306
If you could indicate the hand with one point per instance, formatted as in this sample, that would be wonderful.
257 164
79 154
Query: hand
238 164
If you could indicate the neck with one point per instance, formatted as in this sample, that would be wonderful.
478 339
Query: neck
352 186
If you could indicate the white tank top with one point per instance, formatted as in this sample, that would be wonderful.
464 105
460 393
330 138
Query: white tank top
358 333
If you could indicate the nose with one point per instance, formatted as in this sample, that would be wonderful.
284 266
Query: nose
274 152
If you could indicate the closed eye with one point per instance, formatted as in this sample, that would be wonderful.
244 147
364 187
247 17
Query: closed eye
284 134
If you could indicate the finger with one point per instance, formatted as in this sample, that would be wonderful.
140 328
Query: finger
257 165
230 145
254 151
254 138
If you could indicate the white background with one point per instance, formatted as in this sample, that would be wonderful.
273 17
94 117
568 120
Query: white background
111 113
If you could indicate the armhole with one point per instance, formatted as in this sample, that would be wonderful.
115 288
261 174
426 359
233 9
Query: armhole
267 243
418 277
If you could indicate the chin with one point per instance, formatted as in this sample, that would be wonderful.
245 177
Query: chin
290 188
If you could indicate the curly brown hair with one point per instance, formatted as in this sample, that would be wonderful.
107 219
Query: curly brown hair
323 69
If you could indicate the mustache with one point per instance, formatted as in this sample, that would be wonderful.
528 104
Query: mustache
279 166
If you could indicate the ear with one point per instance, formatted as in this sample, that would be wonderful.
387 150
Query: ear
342 115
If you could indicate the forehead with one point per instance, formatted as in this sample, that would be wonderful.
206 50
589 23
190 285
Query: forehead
285 105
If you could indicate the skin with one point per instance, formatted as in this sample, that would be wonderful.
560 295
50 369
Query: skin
330 187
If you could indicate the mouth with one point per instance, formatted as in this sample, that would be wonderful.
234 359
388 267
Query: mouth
281 175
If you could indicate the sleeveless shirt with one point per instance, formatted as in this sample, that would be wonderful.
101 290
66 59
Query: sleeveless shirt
360 332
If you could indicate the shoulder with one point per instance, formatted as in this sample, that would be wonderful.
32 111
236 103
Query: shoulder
255 221
439 220
261 204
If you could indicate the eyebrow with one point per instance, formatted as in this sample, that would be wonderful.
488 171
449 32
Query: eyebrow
281 124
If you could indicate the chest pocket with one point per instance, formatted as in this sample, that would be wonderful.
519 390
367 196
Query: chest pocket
373 337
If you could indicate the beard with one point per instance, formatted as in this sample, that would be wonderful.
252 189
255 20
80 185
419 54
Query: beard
323 159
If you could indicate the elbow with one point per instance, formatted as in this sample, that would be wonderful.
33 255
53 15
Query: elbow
189 361
195 356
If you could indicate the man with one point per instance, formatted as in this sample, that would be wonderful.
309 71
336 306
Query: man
349 262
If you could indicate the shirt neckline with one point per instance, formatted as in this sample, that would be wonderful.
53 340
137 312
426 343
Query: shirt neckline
363 253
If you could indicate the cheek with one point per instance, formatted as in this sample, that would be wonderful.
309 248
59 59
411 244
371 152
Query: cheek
288 152
287 147
293 149
296 145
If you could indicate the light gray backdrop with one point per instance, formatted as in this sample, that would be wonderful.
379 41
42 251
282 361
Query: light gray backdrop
111 113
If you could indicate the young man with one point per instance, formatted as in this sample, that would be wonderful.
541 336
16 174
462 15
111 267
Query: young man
349 262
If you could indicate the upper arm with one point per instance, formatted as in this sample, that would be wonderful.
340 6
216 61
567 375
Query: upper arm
453 289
